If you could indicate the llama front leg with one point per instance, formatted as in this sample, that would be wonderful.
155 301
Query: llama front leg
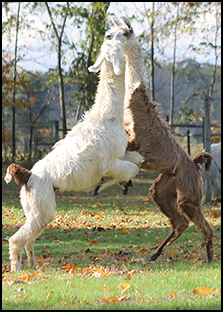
121 170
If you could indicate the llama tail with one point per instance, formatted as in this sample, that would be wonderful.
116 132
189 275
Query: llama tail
17 173
203 159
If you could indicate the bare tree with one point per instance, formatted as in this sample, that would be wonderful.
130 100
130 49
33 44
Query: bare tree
152 89
14 86
59 69
173 71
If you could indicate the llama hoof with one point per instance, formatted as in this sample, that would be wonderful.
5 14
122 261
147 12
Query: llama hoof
129 183
96 190
152 258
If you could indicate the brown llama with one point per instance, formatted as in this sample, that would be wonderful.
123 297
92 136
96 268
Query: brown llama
178 190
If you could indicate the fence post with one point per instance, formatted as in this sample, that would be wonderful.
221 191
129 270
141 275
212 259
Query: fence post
56 130
188 141
35 151
207 145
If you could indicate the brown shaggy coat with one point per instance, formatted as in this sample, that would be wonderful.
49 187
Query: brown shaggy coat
178 190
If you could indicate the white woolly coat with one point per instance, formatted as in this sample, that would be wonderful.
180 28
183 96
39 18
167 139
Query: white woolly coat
86 154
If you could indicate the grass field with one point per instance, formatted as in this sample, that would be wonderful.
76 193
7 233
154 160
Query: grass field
93 256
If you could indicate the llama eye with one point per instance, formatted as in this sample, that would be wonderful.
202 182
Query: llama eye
109 36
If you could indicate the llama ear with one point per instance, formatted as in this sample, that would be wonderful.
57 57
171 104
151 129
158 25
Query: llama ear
115 21
127 23
96 67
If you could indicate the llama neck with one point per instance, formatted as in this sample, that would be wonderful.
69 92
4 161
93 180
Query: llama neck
109 100
136 72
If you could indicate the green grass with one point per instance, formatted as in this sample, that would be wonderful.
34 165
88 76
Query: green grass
96 243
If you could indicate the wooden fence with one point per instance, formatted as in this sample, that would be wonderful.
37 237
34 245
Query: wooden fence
189 135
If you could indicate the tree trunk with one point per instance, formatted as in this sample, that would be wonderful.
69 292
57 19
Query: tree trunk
14 88
59 69
152 89
173 73
61 87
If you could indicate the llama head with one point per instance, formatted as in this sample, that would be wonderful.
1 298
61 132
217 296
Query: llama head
123 31
112 54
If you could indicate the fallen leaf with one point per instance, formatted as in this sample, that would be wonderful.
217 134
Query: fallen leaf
105 288
125 230
205 290
69 267
172 294
164 273
86 301
214 214
124 287
52 237
173 252
112 299
93 242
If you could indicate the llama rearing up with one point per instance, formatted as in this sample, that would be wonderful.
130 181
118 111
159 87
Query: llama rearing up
91 150
178 190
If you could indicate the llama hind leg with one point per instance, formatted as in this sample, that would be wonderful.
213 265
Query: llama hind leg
31 253
26 237
195 215
163 192
16 245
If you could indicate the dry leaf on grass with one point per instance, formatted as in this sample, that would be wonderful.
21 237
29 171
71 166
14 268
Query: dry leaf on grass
172 294
124 287
173 252
205 290
105 288
112 299
69 267
125 230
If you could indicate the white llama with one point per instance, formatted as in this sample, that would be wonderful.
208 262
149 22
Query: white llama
92 150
